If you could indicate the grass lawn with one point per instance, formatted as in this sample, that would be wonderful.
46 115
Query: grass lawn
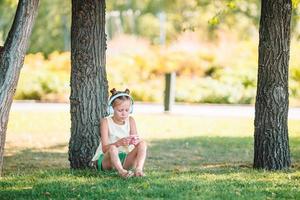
188 158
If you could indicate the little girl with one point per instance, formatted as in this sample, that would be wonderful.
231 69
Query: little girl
120 147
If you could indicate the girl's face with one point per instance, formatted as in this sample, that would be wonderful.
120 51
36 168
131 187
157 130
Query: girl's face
121 110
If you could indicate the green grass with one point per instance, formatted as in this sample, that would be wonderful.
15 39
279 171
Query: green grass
188 158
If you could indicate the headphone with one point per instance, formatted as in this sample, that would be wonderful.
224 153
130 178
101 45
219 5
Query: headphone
110 109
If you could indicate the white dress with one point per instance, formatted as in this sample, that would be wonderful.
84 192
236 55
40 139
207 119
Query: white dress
115 132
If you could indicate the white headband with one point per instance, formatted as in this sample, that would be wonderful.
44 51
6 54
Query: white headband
119 95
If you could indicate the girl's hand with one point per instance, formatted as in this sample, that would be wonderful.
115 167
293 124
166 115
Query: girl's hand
136 142
123 142
134 139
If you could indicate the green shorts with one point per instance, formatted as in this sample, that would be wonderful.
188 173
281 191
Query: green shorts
122 156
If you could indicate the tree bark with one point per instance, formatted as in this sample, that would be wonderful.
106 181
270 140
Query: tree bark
11 61
271 142
89 86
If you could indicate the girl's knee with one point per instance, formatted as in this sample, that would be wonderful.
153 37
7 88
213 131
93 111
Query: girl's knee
113 149
142 145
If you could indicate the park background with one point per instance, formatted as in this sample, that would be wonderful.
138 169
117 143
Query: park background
213 49
214 45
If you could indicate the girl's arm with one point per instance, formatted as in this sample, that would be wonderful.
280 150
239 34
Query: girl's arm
104 137
133 130
135 139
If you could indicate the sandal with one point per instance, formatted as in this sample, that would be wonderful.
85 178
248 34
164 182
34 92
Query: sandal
139 173
94 164
127 174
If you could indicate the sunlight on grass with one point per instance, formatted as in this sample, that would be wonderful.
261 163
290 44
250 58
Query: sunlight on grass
48 128
220 183
188 157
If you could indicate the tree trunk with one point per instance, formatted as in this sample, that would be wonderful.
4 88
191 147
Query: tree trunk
271 143
88 79
11 61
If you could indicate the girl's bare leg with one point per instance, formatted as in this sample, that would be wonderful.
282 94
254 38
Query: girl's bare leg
130 161
106 163
111 159
141 155
136 158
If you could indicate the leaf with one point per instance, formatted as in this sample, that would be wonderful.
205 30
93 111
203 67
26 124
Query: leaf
231 5
214 21
295 3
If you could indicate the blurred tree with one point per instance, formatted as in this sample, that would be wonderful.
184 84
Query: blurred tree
134 15
11 61
52 29
271 142
7 11
89 84
203 15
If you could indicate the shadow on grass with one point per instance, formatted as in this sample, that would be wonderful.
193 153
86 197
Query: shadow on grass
33 159
189 168
167 155
200 151
208 152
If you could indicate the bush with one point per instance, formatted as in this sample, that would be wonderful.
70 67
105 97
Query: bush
204 75
208 90
44 79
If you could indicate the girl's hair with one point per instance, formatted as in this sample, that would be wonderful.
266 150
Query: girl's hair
120 98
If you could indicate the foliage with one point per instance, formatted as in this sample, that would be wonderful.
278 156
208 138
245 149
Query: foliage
51 31
141 17
45 79
206 73
7 11
52 28
208 90
295 3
